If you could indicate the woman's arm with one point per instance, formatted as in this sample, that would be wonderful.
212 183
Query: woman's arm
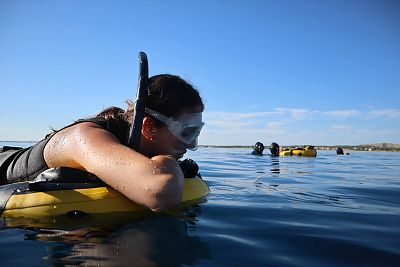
156 183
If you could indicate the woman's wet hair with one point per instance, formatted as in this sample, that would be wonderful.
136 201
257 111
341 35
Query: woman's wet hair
114 113
168 94
171 95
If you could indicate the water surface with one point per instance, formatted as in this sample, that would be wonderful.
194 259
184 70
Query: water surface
289 211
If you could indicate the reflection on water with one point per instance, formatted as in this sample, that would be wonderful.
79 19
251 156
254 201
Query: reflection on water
157 241
275 165
160 241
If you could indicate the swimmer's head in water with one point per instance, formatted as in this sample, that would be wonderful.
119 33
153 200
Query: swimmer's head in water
274 148
258 148
339 151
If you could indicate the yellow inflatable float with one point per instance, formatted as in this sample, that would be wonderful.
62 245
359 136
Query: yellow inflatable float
308 151
82 194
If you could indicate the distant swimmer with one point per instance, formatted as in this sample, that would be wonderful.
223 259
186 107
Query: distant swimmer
339 151
274 148
258 149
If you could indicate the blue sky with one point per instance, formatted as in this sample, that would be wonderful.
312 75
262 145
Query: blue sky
293 72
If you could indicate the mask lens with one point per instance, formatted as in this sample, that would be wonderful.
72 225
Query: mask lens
190 133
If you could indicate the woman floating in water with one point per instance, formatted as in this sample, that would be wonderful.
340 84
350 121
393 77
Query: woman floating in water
150 175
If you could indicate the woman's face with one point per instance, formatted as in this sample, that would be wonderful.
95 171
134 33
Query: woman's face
166 143
169 144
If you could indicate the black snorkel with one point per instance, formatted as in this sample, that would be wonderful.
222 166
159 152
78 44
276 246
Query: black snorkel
141 96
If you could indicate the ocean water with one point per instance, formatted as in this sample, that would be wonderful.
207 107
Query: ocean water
262 211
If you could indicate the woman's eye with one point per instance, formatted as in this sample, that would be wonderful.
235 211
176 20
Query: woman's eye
188 131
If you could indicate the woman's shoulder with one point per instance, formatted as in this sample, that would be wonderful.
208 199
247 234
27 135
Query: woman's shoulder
119 128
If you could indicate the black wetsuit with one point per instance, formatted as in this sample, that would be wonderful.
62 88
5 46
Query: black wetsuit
25 164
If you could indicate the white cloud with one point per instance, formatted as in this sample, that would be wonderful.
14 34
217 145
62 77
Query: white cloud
342 114
233 120
276 124
236 115
297 114
389 113
341 127
253 107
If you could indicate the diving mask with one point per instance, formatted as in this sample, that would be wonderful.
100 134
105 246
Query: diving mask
187 128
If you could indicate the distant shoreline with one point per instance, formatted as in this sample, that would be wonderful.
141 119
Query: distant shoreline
366 147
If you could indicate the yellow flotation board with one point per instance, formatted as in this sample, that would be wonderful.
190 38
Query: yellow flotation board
91 199
308 151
